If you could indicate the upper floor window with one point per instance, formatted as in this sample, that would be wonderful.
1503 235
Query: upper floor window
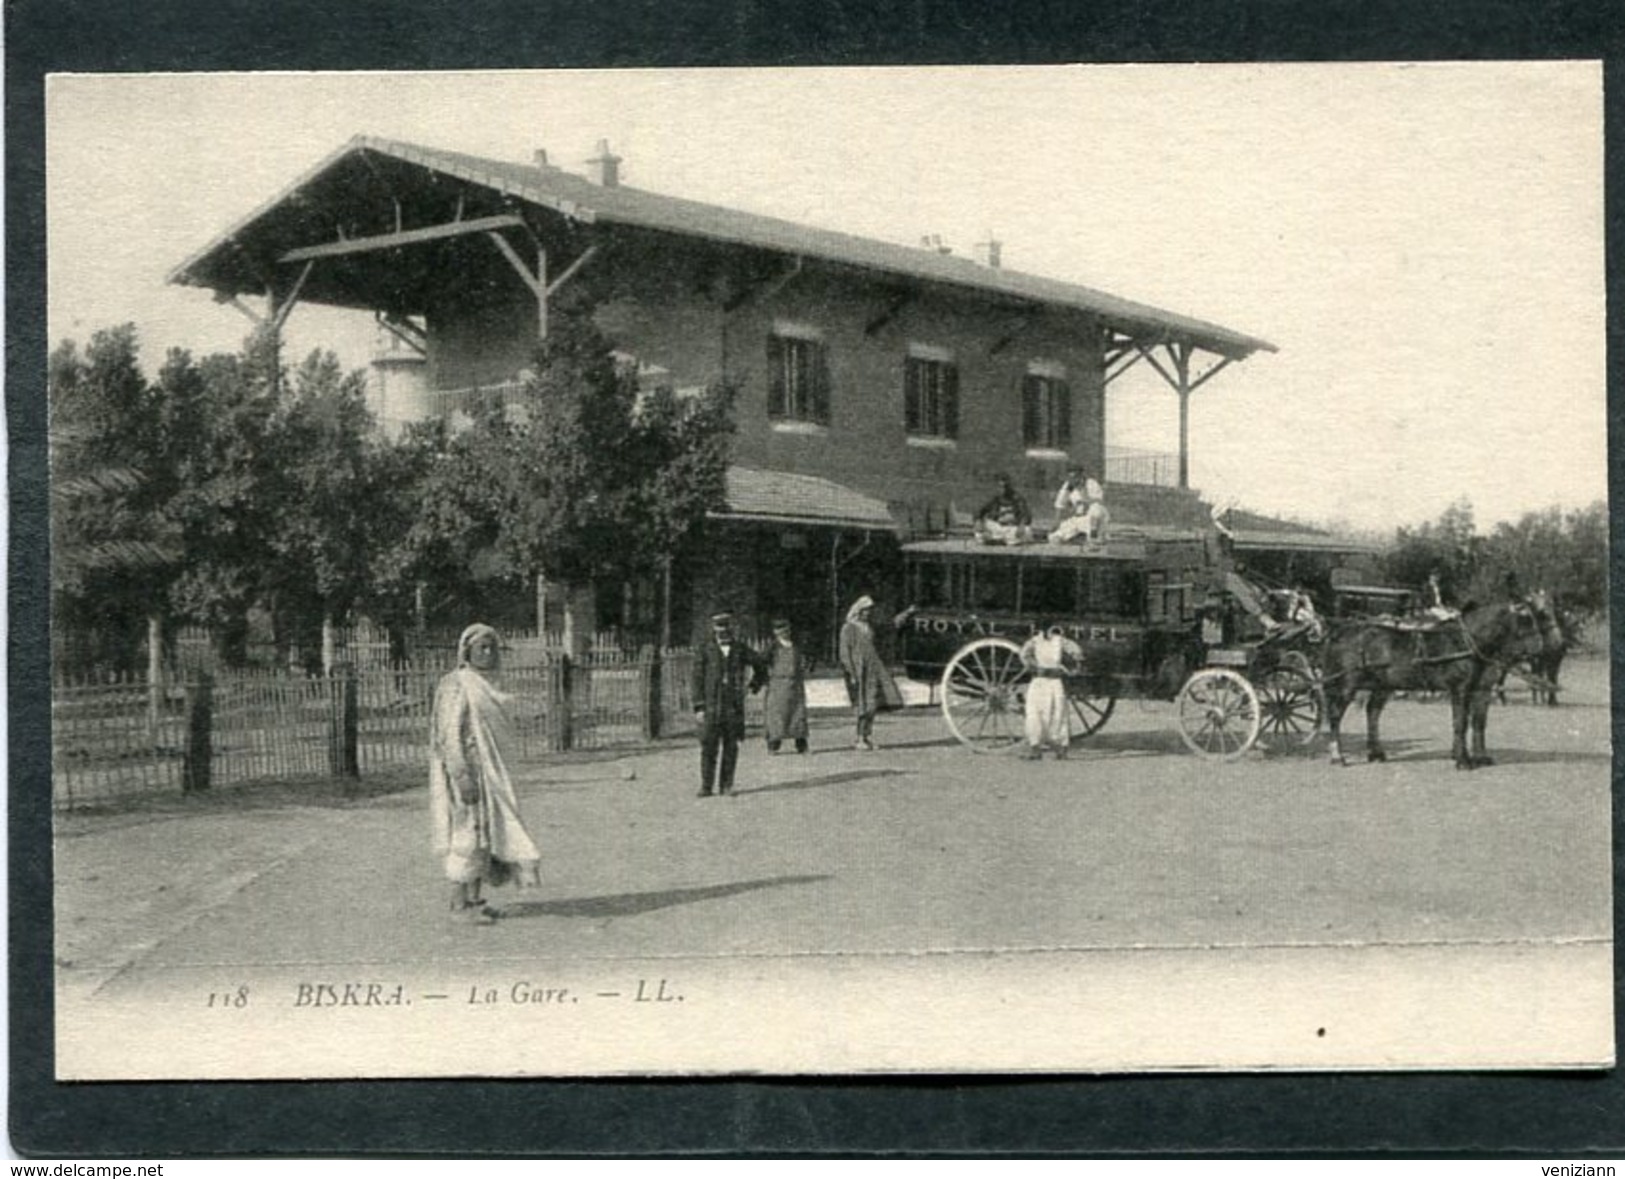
798 376
1046 408
930 394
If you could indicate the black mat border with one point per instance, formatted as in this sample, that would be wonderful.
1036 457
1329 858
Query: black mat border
1326 1115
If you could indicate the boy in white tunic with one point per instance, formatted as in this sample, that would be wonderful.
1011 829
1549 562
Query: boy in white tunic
1051 657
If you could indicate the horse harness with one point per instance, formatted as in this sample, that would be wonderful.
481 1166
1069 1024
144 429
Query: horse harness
1471 649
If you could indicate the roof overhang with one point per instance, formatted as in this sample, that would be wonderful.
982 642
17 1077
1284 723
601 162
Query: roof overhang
1255 541
385 222
782 498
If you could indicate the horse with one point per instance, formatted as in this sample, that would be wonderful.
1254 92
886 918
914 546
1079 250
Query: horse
1464 656
1545 665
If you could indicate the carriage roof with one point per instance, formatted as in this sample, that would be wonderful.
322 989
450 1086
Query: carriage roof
1125 545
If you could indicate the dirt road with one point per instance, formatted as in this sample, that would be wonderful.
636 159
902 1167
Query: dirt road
881 882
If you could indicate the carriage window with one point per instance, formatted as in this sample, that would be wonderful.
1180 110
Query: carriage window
1156 603
1049 589
993 586
1112 591
1131 595
932 584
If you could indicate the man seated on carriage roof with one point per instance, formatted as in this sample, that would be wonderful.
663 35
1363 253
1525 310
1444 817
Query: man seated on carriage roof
1006 518
1081 502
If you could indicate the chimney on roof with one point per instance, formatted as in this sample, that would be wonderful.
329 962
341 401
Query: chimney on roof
605 168
539 158
988 251
933 241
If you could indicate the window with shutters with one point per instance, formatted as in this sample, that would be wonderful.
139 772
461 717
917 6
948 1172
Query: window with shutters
931 396
798 379
1046 409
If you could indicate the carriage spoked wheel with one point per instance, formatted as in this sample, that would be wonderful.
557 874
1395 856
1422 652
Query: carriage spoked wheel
1089 712
1218 714
984 693
1291 706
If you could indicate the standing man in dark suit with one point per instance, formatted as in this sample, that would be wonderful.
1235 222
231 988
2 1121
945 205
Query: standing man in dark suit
724 668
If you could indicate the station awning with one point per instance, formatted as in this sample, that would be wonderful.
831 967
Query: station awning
1256 540
778 497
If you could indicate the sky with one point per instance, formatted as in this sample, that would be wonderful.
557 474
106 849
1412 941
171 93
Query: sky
1423 242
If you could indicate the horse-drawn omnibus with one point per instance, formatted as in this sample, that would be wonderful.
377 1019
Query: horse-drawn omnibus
1157 613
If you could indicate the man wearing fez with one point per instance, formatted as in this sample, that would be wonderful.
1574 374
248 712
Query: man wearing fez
724 669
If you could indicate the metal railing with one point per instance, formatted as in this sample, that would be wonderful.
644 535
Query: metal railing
446 403
1151 468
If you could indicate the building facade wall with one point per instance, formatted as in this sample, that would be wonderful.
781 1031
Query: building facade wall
866 444
673 325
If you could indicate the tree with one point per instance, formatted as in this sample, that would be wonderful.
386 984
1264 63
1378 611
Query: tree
576 478
113 552
1447 547
230 491
1564 553
323 539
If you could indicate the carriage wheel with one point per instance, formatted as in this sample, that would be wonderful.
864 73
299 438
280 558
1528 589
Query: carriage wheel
984 691
1291 706
1218 714
1089 712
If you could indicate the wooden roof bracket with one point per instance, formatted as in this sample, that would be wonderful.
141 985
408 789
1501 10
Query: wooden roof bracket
1114 348
284 307
233 300
766 289
536 282
582 259
899 301
1028 318
1179 357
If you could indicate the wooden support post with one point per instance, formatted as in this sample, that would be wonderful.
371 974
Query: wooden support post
665 604
342 759
564 704
1184 439
155 677
330 645
541 294
1182 371
199 749
652 719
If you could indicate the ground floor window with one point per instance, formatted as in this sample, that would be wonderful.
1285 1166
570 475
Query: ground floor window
1046 409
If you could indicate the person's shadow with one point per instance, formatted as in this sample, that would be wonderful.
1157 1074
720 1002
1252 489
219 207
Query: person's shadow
821 780
630 904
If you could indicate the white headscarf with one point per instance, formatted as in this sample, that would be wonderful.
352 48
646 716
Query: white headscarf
466 640
858 607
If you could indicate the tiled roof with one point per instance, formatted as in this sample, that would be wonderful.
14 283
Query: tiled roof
581 199
777 495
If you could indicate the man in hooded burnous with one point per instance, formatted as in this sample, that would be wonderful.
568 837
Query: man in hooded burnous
474 812
869 683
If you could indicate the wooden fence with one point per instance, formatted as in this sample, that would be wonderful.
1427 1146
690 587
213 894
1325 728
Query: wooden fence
368 647
117 739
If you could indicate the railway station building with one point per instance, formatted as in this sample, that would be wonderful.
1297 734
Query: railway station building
882 387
